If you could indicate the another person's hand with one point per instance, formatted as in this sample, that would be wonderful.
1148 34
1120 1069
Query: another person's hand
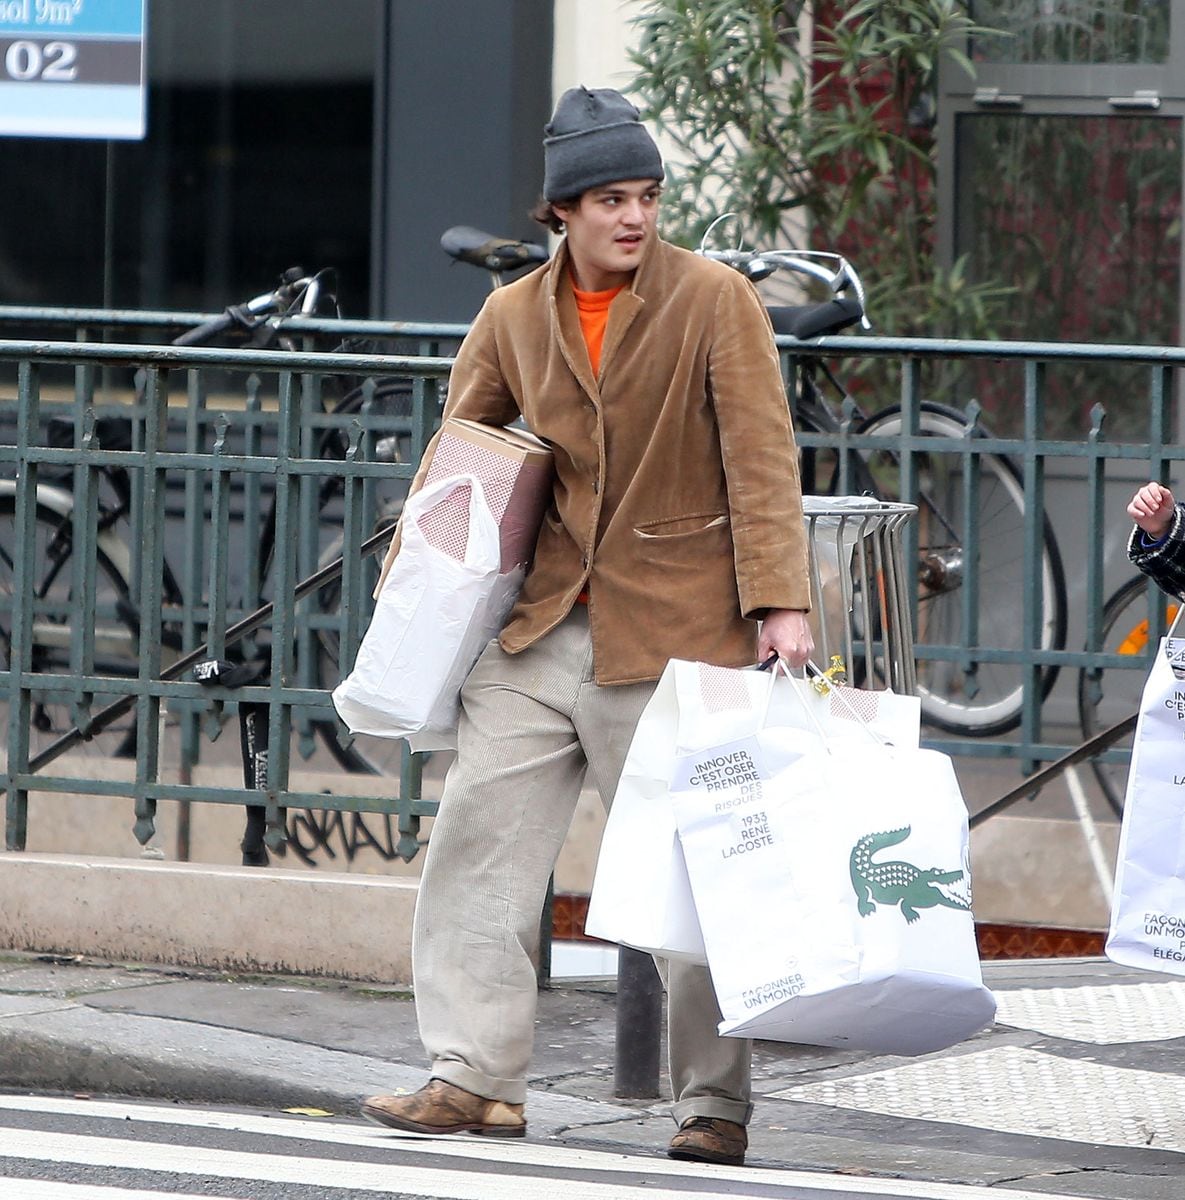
787 632
1152 509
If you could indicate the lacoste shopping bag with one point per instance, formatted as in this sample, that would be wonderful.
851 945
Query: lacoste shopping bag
834 896
1148 909
442 601
640 894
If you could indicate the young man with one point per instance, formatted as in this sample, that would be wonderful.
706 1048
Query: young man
676 525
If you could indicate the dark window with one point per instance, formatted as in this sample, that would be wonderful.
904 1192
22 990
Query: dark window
1081 216
1060 168
258 157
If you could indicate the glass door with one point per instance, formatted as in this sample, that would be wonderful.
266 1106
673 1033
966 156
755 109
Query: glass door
1060 180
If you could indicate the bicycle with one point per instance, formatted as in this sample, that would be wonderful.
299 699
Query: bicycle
384 407
963 696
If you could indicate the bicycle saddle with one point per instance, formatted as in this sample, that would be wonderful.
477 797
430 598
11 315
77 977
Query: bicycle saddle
816 320
466 244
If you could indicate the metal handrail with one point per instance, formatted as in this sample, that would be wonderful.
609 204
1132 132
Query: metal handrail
117 354
88 319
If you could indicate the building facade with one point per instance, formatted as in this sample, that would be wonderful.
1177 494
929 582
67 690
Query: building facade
294 132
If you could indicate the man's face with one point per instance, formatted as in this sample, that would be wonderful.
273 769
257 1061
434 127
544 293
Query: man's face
607 231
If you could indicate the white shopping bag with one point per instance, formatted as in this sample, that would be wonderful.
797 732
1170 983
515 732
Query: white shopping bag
1148 909
834 897
640 894
442 601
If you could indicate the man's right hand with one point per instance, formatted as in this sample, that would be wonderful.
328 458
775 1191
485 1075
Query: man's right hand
787 633
1152 509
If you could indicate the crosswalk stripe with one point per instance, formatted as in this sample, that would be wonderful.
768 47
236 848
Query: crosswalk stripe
338 1134
16 1143
382 1178
526 1154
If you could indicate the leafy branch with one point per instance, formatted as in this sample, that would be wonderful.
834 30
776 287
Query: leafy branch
814 122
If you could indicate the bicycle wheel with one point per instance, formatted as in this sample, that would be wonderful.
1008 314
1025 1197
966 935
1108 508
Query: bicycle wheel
389 411
1113 693
988 699
116 636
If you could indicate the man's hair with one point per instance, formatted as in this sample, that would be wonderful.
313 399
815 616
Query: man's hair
546 215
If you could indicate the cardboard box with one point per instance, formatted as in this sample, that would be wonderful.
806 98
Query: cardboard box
515 469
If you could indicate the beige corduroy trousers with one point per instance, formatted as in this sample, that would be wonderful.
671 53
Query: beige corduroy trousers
532 725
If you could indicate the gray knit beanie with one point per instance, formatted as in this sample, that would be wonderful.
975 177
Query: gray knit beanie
594 138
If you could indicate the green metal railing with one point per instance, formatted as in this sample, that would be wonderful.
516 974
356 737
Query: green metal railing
210 430
221 438
1094 472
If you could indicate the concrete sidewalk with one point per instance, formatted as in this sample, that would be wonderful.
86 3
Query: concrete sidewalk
1078 1090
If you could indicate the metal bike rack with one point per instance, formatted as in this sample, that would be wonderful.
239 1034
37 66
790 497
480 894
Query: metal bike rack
860 589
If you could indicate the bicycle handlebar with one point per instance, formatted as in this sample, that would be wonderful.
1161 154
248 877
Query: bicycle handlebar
296 294
830 269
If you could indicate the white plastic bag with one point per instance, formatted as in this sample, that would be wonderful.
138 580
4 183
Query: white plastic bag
1147 926
441 603
640 895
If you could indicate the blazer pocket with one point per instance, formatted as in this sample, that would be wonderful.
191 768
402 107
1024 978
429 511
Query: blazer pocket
681 527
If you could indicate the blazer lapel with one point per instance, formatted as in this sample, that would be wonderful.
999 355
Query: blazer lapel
622 312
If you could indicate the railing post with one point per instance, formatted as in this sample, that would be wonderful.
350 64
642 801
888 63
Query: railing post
149 527
1032 607
20 650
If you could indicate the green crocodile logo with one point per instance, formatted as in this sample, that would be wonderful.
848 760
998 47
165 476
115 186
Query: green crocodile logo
898 883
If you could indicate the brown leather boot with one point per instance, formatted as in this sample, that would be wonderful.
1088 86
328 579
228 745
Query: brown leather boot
440 1108
710 1140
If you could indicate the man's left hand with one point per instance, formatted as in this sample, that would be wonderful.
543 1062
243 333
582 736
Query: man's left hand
787 632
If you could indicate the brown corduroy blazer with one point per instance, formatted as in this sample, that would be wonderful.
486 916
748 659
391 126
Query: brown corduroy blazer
677 500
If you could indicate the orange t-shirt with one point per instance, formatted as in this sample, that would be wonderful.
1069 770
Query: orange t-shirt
593 308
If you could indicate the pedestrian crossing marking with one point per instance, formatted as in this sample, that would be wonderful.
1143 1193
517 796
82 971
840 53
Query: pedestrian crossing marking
649 1178
380 1178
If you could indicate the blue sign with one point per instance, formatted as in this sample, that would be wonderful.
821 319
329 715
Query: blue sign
72 68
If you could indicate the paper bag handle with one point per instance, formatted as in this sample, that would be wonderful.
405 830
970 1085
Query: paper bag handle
778 663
